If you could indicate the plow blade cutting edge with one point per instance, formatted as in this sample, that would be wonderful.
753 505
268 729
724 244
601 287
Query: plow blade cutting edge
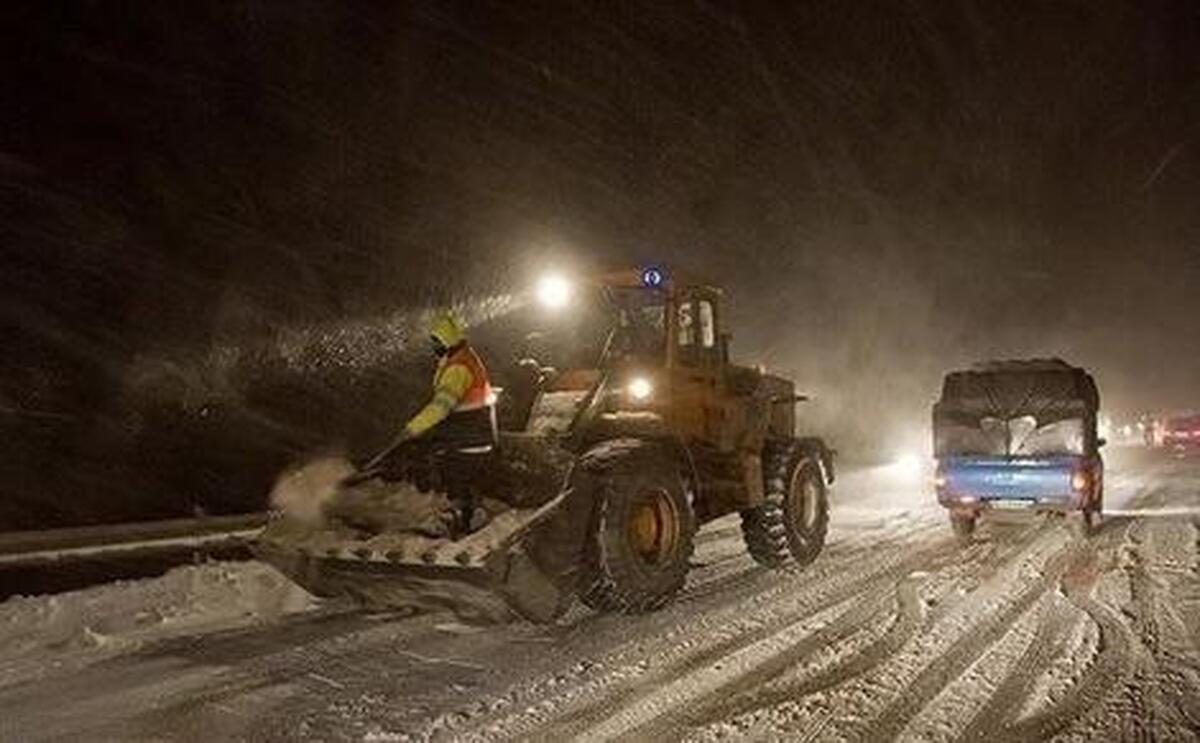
486 575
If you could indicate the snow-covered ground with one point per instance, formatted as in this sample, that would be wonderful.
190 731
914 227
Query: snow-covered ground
896 631
39 632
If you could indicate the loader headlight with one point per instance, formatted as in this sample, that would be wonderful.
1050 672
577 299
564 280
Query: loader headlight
554 292
640 389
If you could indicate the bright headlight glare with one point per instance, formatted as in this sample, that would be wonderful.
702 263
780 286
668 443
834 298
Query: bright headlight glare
554 292
908 464
640 388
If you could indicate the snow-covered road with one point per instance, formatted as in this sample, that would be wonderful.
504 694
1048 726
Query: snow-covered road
896 631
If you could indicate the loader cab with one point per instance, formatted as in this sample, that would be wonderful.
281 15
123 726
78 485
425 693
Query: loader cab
669 327
642 332
695 364
698 341
665 358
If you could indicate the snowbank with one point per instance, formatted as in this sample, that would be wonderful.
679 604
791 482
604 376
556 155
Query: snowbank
123 615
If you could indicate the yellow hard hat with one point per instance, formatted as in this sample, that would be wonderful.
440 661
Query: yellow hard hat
448 331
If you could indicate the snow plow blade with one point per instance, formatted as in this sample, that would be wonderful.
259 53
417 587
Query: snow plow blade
486 575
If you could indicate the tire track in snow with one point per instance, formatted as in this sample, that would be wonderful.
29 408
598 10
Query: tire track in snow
1158 623
981 559
635 705
617 712
972 643
909 618
906 621
615 643
1049 642
874 609
732 587
1111 667
1191 592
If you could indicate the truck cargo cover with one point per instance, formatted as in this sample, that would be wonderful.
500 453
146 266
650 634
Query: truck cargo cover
1014 408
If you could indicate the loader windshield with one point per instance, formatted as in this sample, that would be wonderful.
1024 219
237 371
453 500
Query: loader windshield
616 322
641 323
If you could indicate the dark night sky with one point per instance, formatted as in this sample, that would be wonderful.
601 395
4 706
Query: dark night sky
888 190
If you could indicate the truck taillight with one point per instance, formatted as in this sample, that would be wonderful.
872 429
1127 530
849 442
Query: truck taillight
1080 481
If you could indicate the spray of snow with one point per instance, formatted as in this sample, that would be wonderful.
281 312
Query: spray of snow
312 495
303 491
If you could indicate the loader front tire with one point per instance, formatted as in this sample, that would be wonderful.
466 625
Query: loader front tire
640 542
794 517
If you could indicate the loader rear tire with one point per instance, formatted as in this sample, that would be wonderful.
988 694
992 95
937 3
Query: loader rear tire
765 535
794 517
641 538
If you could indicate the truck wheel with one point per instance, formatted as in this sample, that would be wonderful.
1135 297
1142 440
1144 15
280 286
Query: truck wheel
1085 523
793 519
963 525
636 557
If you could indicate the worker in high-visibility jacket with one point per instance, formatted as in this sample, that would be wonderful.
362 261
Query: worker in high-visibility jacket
462 408
458 424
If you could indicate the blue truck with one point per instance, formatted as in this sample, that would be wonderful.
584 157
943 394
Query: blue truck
1018 435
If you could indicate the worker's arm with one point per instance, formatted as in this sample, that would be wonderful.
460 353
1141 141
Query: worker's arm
452 385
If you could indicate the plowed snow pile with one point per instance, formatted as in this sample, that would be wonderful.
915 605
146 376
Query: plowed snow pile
123 615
